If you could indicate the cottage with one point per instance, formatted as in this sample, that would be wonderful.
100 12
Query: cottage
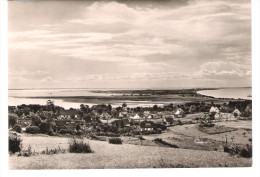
147 114
25 122
236 113
105 116
67 124
224 116
123 114
214 109
68 114
147 126
135 117
179 113
121 123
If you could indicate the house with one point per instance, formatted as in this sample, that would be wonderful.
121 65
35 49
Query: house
121 123
147 126
214 109
168 121
236 113
179 113
123 114
68 114
25 122
105 116
67 124
224 116
147 114
135 117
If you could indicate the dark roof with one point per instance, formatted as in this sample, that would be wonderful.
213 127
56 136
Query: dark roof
68 112
147 124
169 119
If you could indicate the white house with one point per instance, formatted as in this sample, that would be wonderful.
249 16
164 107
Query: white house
136 116
214 109
179 113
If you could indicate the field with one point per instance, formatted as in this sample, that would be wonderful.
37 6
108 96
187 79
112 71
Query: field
197 149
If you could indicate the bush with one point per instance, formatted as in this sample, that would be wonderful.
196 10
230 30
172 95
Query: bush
17 128
27 153
65 131
46 127
108 134
33 129
53 151
180 122
239 150
159 140
78 146
115 141
15 144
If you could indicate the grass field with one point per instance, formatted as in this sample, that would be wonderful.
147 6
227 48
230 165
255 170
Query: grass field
119 156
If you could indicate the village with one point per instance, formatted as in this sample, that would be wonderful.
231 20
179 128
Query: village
122 120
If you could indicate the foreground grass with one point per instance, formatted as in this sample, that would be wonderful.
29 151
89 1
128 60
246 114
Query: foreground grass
124 156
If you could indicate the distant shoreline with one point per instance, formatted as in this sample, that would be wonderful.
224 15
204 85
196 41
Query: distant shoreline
170 88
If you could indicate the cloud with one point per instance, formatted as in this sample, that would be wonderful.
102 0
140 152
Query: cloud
198 39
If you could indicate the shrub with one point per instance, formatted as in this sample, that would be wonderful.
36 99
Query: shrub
239 150
115 141
46 127
27 153
17 128
246 152
94 137
159 140
53 151
108 134
78 146
33 129
65 131
180 122
15 144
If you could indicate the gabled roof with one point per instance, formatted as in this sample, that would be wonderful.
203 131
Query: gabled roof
147 124
68 112
237 111
179 111
214 109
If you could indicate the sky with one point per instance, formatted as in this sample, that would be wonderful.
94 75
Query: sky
129 44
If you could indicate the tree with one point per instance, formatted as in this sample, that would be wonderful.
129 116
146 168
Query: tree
36 120
124 105
12 119
155 108
109 107
50 105
77 127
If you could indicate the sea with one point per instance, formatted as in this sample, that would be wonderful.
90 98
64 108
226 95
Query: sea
20 96
236 93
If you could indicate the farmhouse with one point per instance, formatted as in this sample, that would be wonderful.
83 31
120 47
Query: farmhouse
67 124
147 126
135 117
105 116
121 123
179 113
68 114
236 113
214 109
25 122
123 114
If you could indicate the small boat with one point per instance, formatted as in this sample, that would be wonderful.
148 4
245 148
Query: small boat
249 95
